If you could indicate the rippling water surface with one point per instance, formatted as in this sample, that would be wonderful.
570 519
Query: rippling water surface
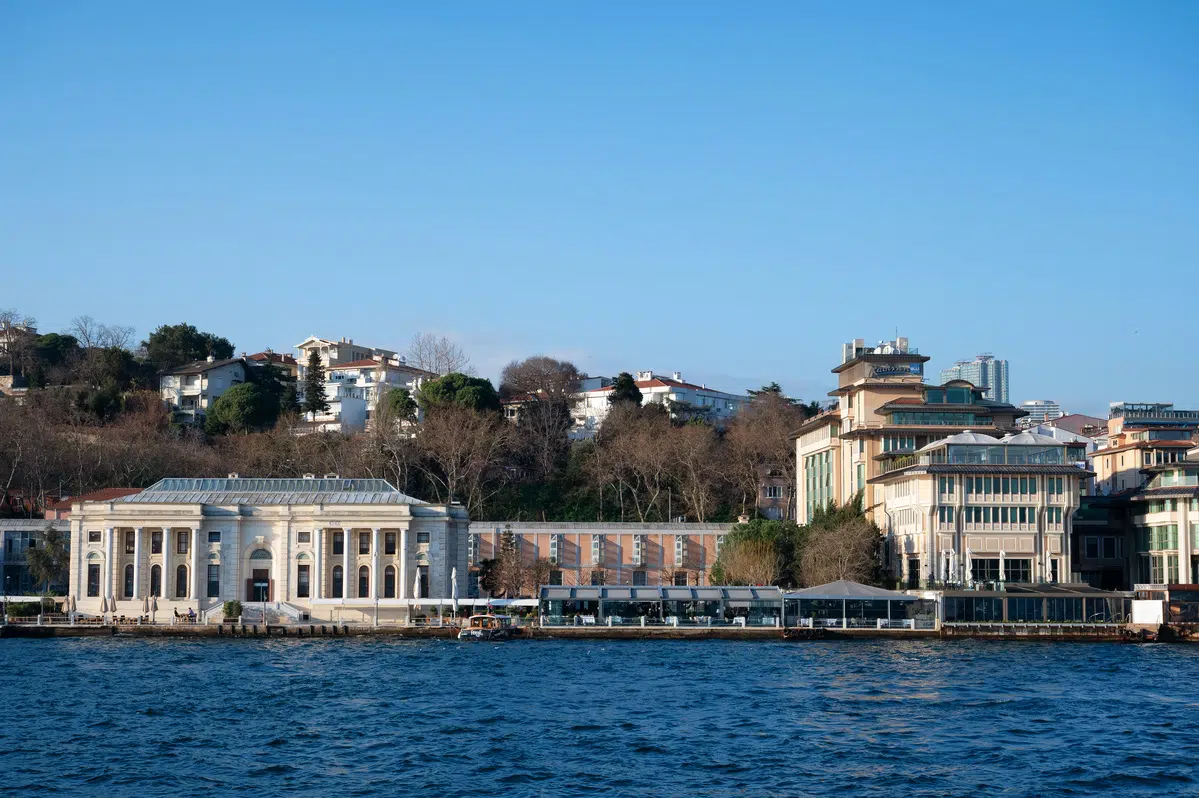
372 716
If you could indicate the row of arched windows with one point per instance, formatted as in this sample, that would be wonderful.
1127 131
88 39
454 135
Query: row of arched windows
364 582
182 584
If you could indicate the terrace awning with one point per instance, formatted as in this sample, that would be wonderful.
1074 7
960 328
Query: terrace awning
853 591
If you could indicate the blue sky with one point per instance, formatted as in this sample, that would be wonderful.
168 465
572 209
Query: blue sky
729 190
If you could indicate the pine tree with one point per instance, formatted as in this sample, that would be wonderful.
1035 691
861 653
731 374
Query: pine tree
314 386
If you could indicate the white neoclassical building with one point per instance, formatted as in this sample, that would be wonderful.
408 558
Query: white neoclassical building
333 549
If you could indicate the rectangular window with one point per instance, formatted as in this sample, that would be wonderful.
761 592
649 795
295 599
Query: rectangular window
985 570
555 577
156 542
93 537
214 580
389 542
422 538
1091 548
1003 518
986 484
1023 486
364 542
556 549
302 582
1023 515
680 579
986 515
1018 570
182 541
597 550
338 543
969 485
598 577
130 542
93 580
1006 483
1032 486
214 537
773 491
472 549
304 537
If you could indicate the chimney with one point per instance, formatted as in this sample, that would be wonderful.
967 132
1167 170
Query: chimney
310 476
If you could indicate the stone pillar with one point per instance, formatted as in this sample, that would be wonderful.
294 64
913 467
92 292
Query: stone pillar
318 578
137 562
403 587
168 586
345 563
375 581
109 532
195 566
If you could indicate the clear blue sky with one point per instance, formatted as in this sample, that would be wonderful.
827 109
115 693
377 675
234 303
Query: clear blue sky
730 190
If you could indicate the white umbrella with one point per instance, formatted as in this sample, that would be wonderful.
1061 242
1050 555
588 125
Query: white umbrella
953 566
103 606
1002 554
969 567
145 605
454 588
416 586
153 606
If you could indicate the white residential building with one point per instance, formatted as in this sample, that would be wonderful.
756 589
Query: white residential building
682 399
190 390
356 378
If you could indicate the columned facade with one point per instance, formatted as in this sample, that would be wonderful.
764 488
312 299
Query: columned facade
327 549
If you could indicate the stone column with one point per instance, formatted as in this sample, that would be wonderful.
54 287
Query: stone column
137 562
167 585
375 581
195 566
109 532
318 578
345 563
403 587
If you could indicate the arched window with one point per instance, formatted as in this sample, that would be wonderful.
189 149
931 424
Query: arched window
181 582
129 581
337 580
156 580
389 582
339 542
364 582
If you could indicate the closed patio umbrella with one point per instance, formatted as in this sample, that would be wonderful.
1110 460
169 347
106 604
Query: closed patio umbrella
1002 554
416 586
969 567
103 605
454 588
153 607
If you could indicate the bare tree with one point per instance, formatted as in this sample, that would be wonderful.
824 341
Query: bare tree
118 336
699 462
759 441
461 453
16 337
86 330
539 376
439 355
848 550
750 561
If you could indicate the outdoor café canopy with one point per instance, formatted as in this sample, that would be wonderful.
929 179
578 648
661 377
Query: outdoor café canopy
843 589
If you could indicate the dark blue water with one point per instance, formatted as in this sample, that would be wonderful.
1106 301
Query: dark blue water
366 717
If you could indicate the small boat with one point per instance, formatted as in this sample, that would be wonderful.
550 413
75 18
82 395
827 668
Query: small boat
487 627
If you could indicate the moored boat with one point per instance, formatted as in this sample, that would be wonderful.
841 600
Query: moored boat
487 627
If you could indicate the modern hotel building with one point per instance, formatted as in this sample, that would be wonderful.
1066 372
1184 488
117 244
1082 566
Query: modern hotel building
884 412
971 508
331 548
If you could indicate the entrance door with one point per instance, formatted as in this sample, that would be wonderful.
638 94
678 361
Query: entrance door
260 585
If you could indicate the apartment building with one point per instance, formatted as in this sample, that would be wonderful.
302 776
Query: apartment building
189 391
1165 520
985 372
1140 435
884 411
683 400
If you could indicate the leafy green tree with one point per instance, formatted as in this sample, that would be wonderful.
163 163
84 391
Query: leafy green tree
473 393
242 408
786 537
48 563
276 383
173 345
53 349
314 385
624 389
400 404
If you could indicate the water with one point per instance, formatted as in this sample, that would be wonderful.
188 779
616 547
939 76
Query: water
715 718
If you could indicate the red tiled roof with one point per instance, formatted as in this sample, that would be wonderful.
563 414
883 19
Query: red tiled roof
103 495
661 382
274 357
906 400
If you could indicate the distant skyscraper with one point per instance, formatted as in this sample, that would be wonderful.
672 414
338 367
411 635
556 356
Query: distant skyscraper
1039 411
982 372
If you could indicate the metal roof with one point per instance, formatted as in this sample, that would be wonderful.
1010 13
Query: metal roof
844 589
32 525
242 490
662 593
